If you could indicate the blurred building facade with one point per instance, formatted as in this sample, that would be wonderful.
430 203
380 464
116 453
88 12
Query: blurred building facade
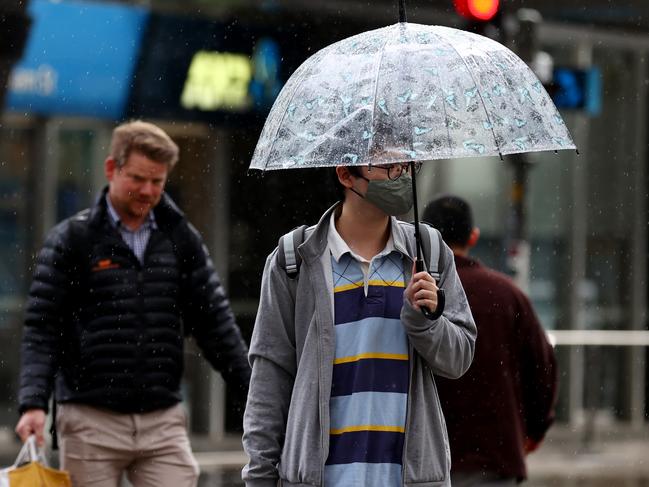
207 72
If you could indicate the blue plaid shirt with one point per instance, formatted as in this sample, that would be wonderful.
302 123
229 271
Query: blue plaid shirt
137 240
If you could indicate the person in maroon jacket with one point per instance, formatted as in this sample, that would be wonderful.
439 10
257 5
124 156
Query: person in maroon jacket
500 410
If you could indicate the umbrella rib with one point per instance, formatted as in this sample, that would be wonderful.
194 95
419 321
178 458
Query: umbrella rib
342 122
484 106
370 141
448 130
502 75
290 100
500 71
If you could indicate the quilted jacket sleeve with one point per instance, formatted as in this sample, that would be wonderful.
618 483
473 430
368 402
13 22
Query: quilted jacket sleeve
208 315
47 311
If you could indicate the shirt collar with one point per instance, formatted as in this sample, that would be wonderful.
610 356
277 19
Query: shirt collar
339 247
399 237
117 221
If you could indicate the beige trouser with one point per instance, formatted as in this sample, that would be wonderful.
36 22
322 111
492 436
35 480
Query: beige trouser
98 446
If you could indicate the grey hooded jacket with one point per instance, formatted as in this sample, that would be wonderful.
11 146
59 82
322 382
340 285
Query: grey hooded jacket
286 422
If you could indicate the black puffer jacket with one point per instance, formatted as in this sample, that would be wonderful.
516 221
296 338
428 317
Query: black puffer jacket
112 330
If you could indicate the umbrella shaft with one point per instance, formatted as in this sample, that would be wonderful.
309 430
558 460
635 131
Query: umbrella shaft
415 210
402 11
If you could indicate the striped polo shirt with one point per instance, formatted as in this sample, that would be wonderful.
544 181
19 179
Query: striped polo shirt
371 368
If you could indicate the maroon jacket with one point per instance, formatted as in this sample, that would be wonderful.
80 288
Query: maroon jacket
509 392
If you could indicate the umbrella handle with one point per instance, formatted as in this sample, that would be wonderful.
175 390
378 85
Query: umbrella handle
441 303
441 298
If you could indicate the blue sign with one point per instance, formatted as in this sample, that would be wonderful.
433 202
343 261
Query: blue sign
79 59
579 89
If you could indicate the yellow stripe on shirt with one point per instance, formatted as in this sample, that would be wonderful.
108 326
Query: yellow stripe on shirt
387 283
356 285
347 287
367 427
362 356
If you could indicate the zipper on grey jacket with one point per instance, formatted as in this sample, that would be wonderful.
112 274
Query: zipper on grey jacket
447 443
325 454
405 429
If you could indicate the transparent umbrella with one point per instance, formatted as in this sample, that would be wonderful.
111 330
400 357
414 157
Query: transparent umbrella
408 93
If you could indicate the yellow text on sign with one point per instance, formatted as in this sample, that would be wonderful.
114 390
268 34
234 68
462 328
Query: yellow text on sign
217 81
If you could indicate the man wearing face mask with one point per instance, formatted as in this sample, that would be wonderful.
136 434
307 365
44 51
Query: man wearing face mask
342 390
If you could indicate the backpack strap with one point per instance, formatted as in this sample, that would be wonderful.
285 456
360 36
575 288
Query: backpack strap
431 253
430 242
288 256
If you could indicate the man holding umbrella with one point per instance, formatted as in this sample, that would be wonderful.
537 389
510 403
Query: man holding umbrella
343 355
342 391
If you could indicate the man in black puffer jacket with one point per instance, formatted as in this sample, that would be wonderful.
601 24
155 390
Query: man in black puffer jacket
116 288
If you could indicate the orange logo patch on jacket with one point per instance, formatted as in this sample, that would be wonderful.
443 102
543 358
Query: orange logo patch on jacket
105 264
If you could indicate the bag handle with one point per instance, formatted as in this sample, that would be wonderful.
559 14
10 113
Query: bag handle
30 453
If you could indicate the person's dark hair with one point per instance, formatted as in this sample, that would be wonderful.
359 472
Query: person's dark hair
452 216
340 189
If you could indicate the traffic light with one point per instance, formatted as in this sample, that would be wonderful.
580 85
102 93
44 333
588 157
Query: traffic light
481 16
477 10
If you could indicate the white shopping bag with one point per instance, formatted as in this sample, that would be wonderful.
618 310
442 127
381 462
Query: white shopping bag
4 477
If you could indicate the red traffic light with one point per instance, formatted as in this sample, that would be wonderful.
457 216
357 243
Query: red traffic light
477 10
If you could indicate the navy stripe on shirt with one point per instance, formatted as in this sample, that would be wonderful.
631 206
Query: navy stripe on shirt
381 301
366 447
376 375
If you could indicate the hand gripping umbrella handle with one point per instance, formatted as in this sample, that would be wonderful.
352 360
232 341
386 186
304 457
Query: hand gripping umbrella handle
441 299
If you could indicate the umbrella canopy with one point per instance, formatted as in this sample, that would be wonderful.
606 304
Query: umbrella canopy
404 93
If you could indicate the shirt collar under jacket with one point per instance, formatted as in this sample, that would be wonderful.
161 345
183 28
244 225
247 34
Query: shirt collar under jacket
339 247
117 221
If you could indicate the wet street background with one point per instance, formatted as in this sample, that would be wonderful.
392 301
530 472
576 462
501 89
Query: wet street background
566 459
221 478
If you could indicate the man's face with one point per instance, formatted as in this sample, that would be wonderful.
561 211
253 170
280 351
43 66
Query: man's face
136 187
381 172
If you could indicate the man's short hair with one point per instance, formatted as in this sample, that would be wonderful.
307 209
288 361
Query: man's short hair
145 138
452 216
